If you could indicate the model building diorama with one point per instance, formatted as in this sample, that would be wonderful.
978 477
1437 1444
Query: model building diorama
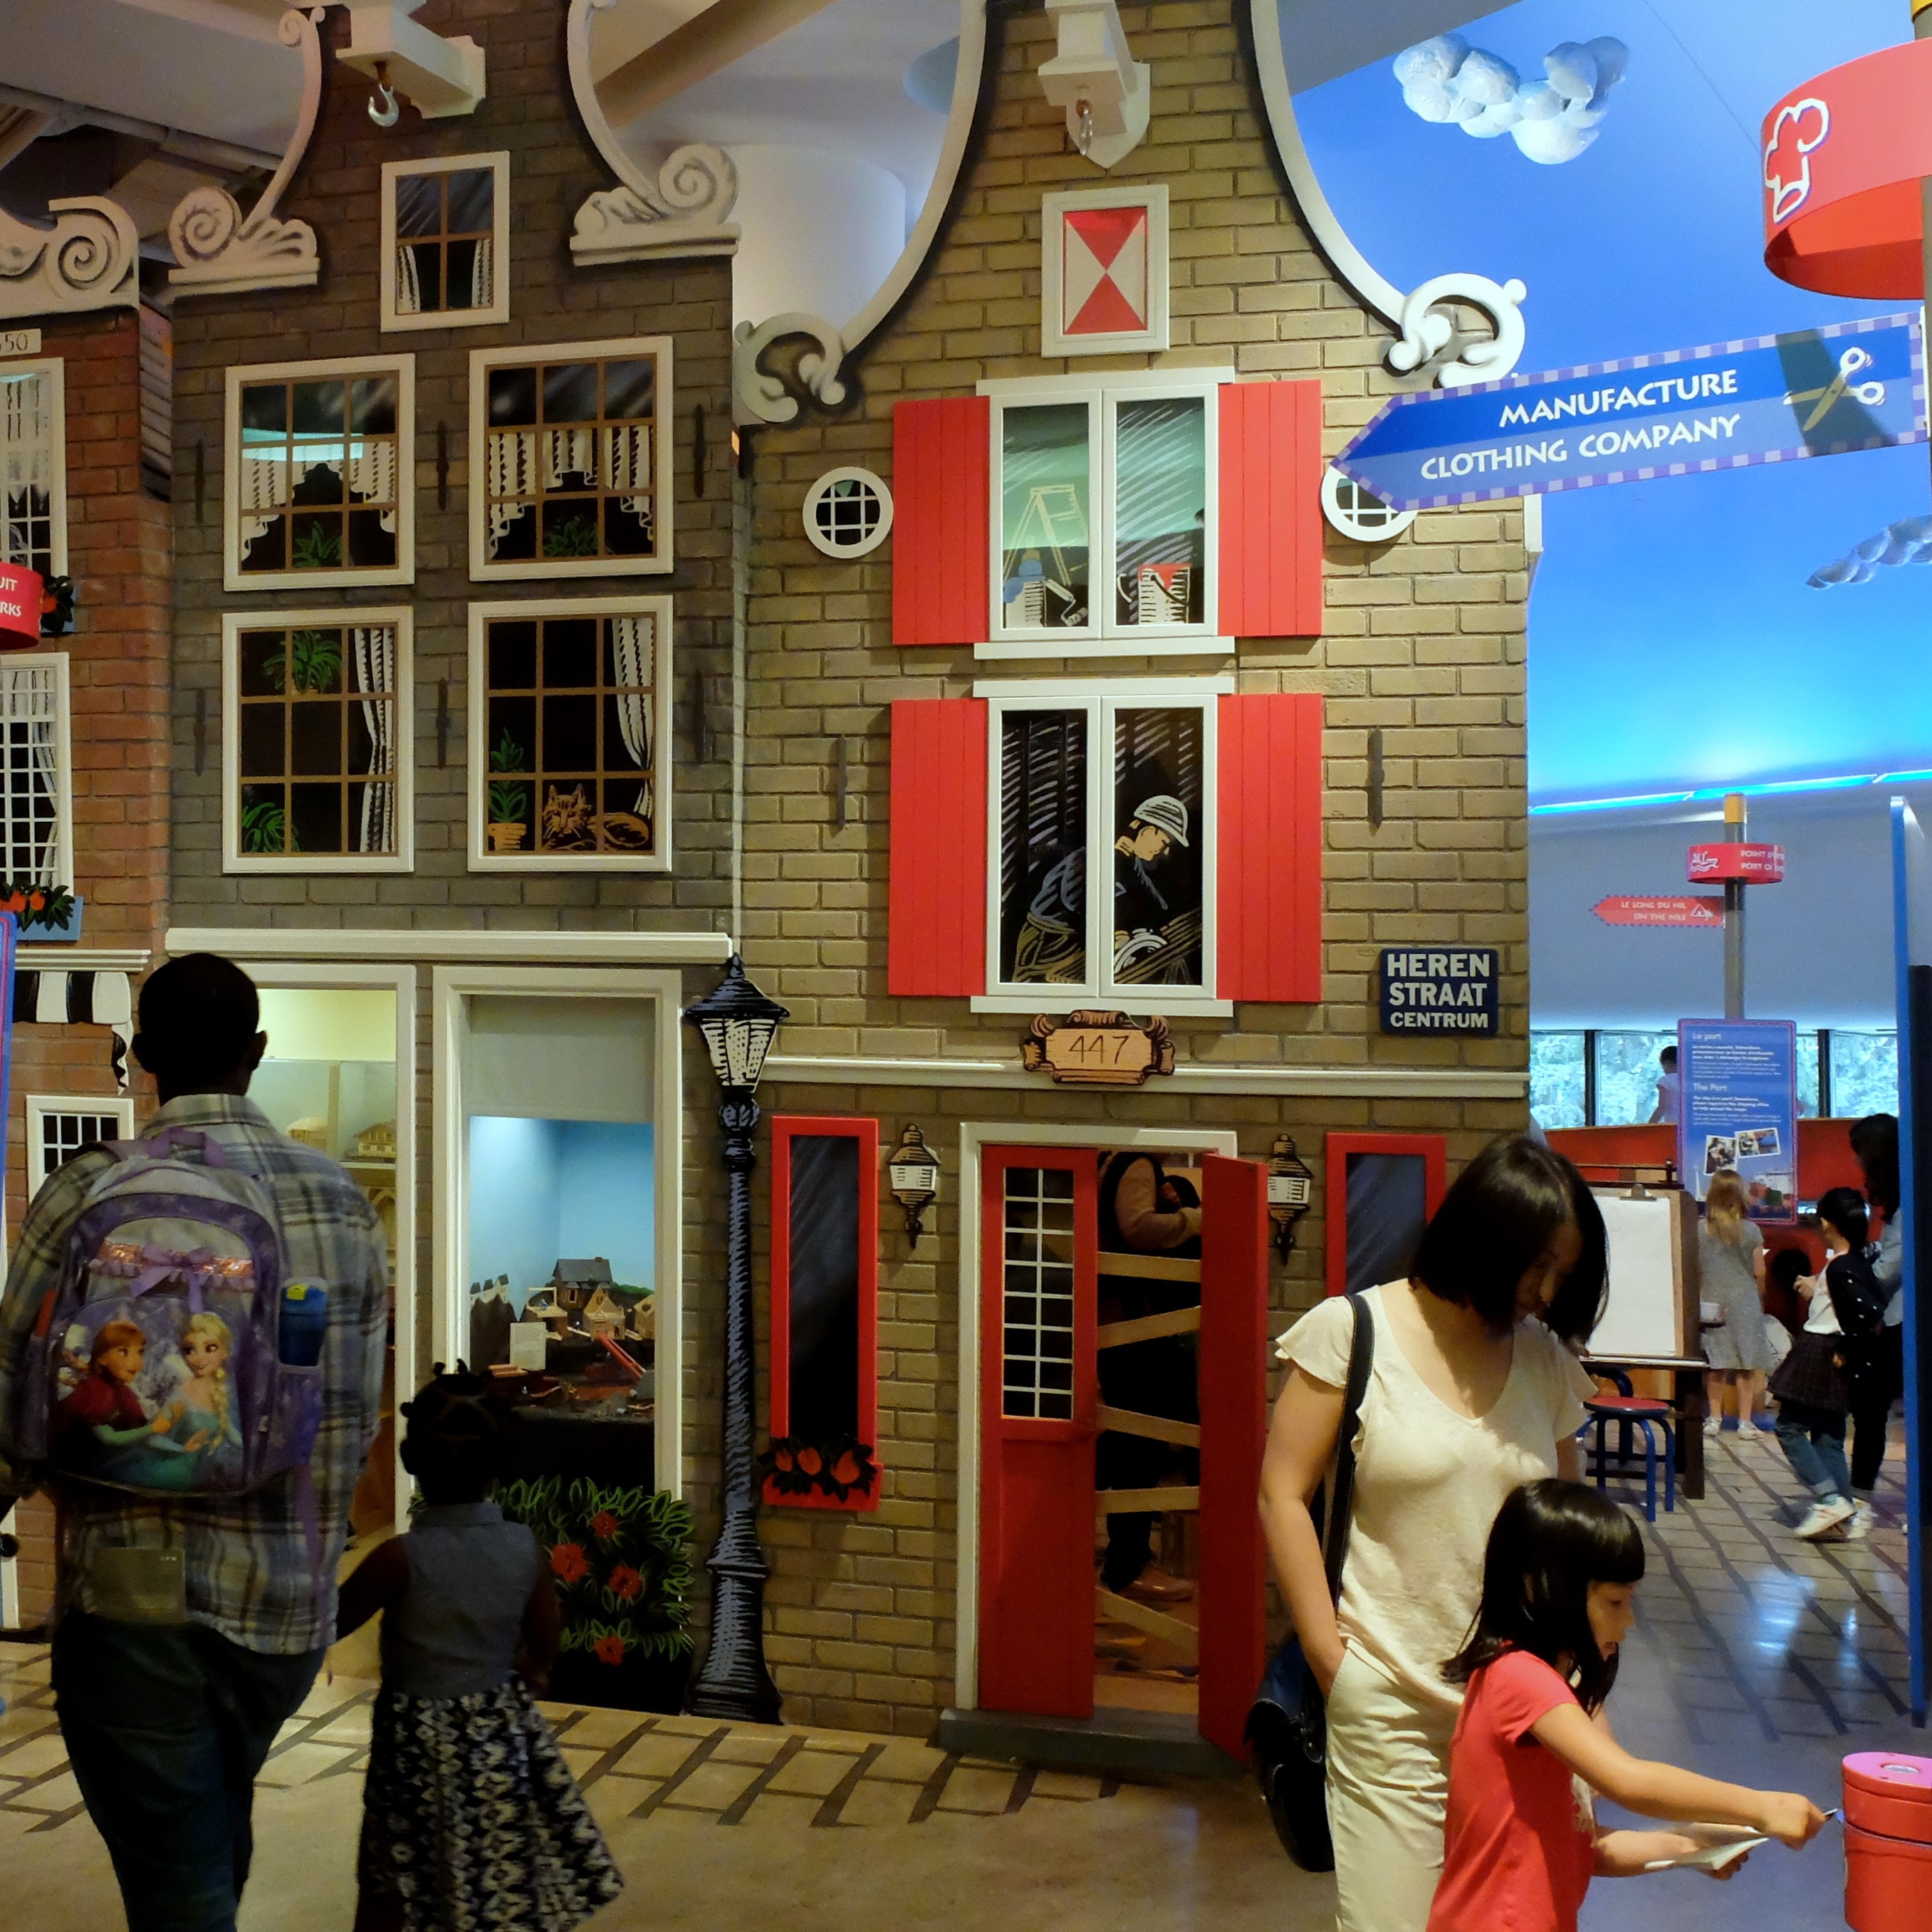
718 646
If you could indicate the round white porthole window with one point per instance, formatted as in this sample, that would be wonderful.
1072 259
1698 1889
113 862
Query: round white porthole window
1358 513
848 512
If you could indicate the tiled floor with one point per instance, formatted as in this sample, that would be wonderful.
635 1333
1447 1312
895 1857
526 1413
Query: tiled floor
1758 1658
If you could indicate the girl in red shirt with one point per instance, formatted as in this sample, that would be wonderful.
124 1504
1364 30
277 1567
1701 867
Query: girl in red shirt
1521 1841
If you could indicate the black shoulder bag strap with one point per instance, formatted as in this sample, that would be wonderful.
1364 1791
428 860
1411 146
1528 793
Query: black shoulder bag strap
1361 1360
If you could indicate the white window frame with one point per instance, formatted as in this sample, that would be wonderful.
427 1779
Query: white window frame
402 570
523 570
62 867
338 617
498 310
1105 638
52 370
39 1105
1100 702
482 859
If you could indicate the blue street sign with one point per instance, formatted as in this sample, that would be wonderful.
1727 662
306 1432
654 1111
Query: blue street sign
1819 392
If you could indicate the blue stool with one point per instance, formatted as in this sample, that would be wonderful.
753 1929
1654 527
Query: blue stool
1631 1413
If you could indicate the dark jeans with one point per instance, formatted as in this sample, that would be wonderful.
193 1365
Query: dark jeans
1873 1395
1814 1443
166 1727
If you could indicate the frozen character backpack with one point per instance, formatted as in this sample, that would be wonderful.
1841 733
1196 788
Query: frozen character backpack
172 1358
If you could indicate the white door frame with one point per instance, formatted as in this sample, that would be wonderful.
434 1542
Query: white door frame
343 974
455 986
975 1137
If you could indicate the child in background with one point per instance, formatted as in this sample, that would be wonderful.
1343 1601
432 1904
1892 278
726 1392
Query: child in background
1521 1842
470 1817
1730 1259
1814 1383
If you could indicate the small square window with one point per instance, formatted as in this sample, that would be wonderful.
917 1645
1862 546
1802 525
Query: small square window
445 242
59 1126
570 460
569 724
318 483
33 467
316 752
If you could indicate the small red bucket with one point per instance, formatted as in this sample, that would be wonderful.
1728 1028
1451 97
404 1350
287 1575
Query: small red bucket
1887 1841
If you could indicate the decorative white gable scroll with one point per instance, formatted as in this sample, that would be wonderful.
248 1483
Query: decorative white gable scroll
219 252
685 210
1430 321
87 260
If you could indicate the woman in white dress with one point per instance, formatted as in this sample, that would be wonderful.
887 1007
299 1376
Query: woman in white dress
1475 1388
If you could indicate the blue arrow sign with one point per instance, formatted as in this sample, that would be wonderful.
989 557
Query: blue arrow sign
1819 392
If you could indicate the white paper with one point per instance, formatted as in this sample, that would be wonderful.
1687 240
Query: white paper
1728 1842
527 1343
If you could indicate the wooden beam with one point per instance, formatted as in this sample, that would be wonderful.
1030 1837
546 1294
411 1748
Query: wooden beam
725 31
1140 1502
1130 1422
1184 1637
1148 1268
1146 1328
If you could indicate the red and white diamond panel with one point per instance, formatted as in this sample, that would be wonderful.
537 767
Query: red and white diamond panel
1106 271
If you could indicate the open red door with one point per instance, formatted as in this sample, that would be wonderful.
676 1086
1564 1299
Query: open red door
1234 1427
1037 1394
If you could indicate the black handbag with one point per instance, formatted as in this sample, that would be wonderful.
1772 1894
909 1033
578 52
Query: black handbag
1288 1723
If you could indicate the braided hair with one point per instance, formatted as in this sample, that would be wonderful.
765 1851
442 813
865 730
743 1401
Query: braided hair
455 1442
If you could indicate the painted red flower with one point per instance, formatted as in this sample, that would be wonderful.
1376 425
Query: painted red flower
625 1582
569 1562
609 1649
810 1461
604 1526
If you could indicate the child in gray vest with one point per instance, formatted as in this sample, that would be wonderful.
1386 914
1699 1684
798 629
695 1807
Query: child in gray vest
470 1817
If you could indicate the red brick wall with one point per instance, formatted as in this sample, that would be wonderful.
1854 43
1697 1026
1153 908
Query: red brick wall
120 557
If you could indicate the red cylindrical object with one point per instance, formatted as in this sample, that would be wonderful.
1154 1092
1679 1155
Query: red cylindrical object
1887 1841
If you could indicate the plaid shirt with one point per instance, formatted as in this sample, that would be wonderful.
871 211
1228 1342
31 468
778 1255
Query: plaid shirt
250 1573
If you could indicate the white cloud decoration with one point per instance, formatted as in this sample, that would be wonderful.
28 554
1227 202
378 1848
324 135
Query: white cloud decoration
1551 121
1908 540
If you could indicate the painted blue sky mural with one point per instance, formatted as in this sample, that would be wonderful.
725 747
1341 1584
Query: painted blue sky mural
1674 641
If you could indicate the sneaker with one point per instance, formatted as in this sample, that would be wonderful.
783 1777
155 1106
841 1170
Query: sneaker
1825 1515
1863 1517
1714 1427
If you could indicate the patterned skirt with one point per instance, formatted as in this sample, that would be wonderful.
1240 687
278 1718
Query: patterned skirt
471 1819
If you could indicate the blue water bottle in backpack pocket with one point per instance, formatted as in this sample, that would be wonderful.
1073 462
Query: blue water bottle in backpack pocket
304 1319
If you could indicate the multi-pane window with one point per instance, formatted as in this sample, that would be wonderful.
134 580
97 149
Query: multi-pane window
35 813
1101 844
318 473
445 231
59 1127
1104 505
33 489
316 748
1036 1345
569 724
570 461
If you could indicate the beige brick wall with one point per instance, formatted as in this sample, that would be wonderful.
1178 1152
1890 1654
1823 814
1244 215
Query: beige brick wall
1423 638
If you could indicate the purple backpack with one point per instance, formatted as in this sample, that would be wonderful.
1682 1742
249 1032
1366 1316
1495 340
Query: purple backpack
155 1364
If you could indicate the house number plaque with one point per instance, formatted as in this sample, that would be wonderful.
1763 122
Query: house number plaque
1097 1049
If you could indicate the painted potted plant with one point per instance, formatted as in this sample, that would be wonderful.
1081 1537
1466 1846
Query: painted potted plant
46 914
507 804
620 1559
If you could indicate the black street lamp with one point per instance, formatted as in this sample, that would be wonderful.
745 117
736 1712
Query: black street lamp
737 1023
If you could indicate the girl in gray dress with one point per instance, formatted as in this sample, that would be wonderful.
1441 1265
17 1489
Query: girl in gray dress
470 1817
1730 1257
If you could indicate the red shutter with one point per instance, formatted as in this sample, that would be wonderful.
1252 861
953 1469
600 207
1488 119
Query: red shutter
1233 1377
941 474
1269 880
1270 575
936 912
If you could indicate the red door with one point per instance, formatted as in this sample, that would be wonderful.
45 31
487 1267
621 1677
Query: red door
1234 1427
1037 1395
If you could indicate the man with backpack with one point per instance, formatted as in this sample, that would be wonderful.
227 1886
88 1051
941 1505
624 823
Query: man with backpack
191 1355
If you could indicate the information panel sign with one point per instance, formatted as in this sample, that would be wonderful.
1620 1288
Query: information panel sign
1739 1109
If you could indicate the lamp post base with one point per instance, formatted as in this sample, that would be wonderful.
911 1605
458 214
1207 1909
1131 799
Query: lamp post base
734 1681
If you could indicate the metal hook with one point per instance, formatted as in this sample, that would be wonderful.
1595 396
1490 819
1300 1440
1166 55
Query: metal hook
388 113
1083 131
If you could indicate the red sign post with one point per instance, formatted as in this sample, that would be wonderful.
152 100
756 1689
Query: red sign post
1640 909
20 594
1750 865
